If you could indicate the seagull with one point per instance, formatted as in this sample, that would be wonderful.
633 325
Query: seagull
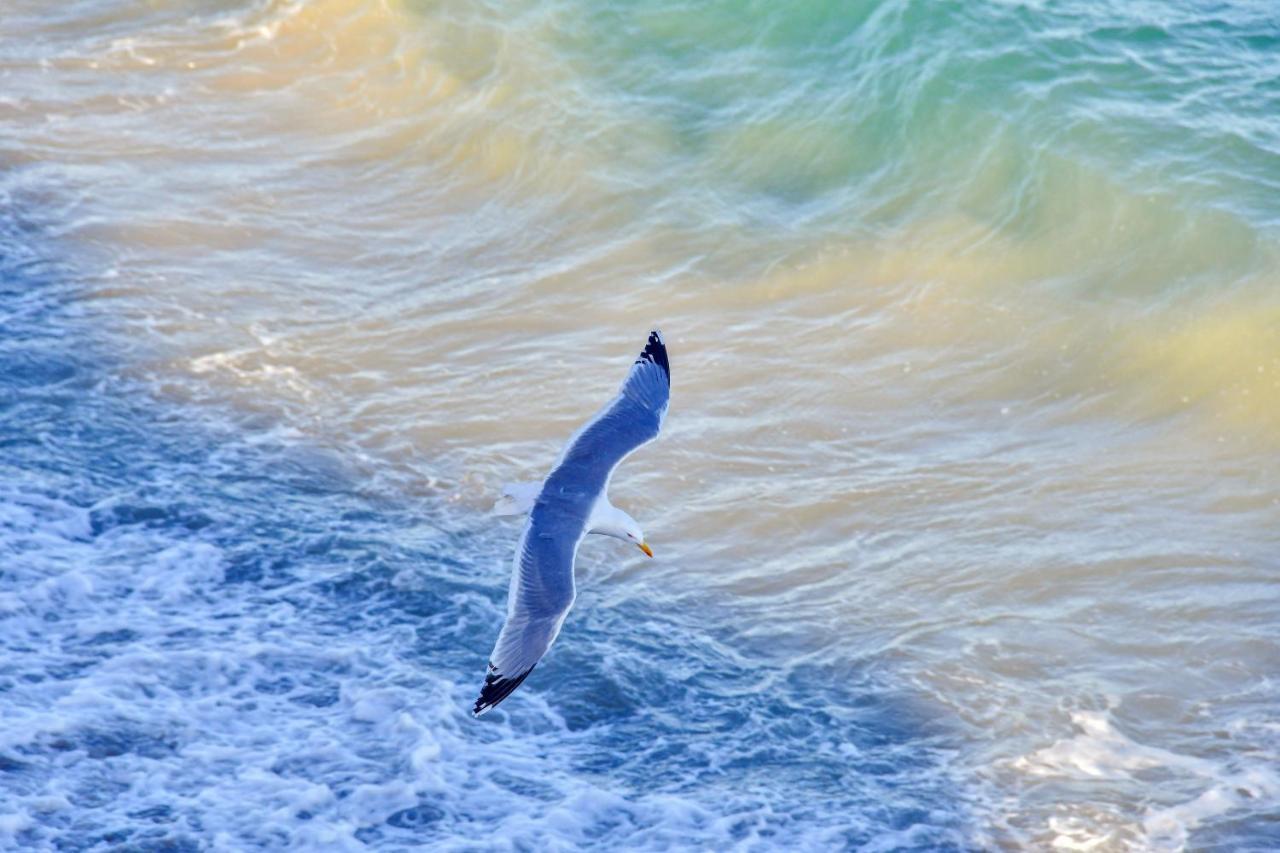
572 502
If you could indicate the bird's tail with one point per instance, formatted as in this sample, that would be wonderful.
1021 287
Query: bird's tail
517 498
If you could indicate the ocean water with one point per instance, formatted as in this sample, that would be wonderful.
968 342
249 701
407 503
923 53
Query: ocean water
967 511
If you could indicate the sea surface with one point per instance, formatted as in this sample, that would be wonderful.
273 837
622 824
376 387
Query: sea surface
967 510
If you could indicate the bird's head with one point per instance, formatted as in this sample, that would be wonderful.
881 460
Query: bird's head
635 536
626 529
612 521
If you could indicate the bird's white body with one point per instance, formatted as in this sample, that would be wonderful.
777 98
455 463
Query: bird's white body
605 519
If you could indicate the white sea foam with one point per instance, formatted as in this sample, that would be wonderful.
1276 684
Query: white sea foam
146 695
1101 752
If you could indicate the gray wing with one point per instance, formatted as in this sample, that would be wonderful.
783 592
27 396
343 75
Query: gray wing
538 600
542 589
631 419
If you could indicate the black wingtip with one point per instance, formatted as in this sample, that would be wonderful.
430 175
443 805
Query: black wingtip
655 352
496 688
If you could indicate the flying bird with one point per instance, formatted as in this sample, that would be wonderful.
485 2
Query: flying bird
572 502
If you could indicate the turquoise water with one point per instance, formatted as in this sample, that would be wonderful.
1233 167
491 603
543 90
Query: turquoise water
858 114
966 509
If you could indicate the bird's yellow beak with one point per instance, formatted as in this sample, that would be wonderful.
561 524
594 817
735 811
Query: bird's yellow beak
644 546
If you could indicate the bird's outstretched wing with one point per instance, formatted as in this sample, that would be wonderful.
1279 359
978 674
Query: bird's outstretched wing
542 589
538 600
629 420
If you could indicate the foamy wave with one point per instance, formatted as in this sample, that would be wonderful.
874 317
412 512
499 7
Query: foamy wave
150 693
1101 752
156 695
